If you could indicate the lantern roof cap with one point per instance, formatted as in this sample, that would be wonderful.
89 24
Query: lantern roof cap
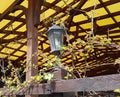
55 27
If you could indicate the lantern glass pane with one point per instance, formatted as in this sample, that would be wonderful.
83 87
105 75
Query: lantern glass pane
51 39
58 39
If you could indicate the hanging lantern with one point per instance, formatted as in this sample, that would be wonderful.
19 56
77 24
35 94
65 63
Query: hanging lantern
55 35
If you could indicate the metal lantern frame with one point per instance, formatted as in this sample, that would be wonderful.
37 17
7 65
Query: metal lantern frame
55 35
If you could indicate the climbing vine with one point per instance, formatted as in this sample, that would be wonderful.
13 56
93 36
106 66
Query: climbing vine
13 76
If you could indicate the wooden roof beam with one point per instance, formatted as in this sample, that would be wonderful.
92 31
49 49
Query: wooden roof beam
8 17
12 40
10 23
58 10
13 32
100 5
97 18
69 20
9 9
49 5
109 13
102 28
91 8
113 56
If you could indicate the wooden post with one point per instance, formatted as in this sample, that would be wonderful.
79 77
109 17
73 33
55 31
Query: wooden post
59 75
33 15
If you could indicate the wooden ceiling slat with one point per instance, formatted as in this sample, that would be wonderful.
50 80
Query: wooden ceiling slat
10 32
48 5
10 23
8 17
57 12
67 10
12 40
7 55
101 59
82 2
97 18
9 9
109 13
18 49
109 2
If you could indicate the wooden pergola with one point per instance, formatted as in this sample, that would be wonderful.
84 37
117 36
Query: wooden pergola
23 24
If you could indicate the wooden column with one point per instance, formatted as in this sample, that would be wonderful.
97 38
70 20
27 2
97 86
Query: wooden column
33 16
59 75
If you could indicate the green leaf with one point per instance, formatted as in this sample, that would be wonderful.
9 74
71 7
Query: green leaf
74 43
63 48
48 76
82 54
70 69
117 90
13 88
49 64
0 92
24 83
117 61
38 78
68 76
70 45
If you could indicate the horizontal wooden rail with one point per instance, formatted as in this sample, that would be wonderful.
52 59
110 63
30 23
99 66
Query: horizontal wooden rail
100 83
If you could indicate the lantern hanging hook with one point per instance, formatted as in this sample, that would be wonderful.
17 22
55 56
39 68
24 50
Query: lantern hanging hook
54 21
